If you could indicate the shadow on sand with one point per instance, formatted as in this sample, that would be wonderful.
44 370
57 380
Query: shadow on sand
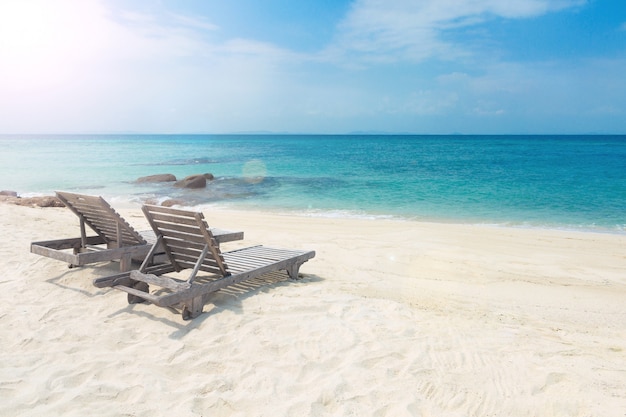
226 299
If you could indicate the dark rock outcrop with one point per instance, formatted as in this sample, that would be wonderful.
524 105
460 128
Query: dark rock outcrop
46 201
172 202
194 181
157 178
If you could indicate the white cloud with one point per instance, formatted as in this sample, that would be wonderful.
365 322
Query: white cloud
195 22
542 91
411 30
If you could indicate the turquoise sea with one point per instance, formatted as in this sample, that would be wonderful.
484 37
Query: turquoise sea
574 182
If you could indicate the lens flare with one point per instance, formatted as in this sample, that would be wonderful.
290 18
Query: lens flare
254 171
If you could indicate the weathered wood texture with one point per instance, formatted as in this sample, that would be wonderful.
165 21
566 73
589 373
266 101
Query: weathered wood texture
115 239
96 213
190 245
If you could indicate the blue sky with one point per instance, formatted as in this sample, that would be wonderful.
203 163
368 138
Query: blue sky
396 66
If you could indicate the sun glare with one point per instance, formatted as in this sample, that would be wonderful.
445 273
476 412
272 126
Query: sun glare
32 44
42 42
25 28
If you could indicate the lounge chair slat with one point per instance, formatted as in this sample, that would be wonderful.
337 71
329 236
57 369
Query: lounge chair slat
183 237
167 228
191 252
164 218
193 243
172 222
188 260
171 211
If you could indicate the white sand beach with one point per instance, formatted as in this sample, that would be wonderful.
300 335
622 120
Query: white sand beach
391 318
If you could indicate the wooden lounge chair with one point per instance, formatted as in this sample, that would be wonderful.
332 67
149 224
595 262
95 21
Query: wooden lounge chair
189 244
115 239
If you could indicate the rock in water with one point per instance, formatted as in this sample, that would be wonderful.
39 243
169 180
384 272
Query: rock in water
194 181
157 178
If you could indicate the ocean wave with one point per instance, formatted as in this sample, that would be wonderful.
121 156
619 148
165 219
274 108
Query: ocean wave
189 161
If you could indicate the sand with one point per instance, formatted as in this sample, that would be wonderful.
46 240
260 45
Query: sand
391 318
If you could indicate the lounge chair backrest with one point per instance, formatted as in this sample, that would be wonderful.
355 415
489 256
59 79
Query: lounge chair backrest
96 213
186 238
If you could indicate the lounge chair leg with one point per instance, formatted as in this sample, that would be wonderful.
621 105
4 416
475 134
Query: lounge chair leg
76 251
293 271
193 308
125 263
141 286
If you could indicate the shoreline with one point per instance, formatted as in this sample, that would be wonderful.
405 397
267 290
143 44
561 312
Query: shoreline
44 200
391 318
